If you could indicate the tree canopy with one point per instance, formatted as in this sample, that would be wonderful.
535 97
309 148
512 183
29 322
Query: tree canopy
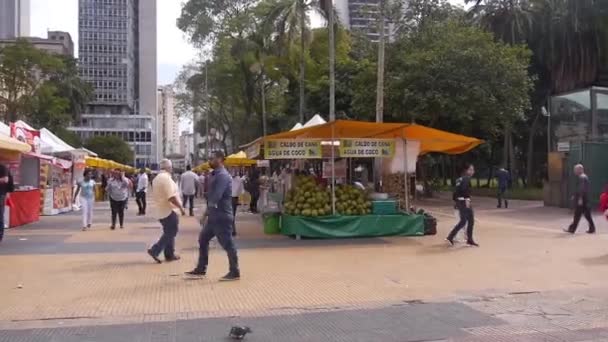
112 148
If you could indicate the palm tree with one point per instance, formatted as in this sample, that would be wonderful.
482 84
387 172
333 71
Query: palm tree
289 19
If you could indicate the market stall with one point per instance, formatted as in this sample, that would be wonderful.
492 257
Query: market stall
309 210
17 209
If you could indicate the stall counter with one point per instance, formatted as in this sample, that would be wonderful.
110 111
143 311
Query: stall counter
23 207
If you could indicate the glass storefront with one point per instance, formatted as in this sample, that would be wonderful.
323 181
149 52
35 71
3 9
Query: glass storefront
579 116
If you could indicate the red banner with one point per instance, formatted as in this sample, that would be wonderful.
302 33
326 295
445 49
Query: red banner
26 135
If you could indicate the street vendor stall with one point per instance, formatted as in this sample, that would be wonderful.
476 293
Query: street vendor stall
309 210
15 212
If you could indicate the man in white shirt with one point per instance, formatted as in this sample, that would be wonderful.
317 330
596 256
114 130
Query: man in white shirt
167 198
187 185
140 192
238 189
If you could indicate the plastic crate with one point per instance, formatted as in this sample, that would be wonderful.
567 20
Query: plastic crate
384 207
271 223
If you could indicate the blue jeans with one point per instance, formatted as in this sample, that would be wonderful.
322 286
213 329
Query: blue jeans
220 227
166 242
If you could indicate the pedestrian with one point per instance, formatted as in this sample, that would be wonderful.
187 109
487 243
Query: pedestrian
6 186
140 192
254 190
504 178
86 189
104 185
237 191
167 198
187 185
604 202
581 201
217 220
201 185
118 191
462 202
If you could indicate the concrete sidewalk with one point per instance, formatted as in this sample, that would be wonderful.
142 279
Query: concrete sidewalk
527 282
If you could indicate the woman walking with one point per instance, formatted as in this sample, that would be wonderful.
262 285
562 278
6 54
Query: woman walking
86 189
118 191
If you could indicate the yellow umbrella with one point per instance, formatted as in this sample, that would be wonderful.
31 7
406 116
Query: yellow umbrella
239 159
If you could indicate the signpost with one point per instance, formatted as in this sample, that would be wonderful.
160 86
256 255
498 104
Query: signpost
367 148
293 149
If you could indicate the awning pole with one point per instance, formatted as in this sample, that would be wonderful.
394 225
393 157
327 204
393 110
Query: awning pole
405 178
333 172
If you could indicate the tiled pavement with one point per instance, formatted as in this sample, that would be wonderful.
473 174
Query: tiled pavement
526 283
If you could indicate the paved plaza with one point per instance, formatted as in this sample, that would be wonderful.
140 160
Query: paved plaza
528 282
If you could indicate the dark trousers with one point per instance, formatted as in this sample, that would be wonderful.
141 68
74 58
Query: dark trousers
502 197
2 200
253 205
166 243
190 198
466 219
235 205
118 209
140 198
221 228
582 210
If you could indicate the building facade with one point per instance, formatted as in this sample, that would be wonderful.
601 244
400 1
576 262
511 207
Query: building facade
117 56
168 136
57 42
362 16
14 19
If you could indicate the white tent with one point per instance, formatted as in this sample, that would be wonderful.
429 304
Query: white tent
296 127
314 121
52 144
4 129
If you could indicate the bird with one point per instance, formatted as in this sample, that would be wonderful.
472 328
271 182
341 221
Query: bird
238 333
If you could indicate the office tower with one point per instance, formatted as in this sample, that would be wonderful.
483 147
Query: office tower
168 137
362 16
117 53
14 18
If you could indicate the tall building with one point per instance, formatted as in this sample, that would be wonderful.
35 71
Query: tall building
362 16
117 53
168 135
14 18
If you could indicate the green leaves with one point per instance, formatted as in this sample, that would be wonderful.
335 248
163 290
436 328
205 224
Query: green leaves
112 148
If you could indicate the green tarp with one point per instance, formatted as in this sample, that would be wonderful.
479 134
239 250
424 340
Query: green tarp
331 227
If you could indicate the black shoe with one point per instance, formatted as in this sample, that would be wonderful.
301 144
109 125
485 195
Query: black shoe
591 231
450 241
506 205
231 276
122 227
173 258
567 230
472 244
196 273
112 227
155 257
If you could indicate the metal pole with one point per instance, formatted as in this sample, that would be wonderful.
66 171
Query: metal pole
380 90
332 62
406 178
263 103
208 103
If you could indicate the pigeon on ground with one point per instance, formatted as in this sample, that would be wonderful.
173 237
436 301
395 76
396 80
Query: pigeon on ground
238 333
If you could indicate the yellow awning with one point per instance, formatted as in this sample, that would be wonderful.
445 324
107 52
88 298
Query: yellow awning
431 140
13 145
239 159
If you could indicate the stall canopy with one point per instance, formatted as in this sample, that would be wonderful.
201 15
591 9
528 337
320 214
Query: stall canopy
431 140
239 159
9 144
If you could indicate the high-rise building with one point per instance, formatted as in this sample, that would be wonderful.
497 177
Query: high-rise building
117 53
14 18
168 135
362 16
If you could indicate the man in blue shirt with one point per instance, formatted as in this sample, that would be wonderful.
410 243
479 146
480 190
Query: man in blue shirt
504 178
217 220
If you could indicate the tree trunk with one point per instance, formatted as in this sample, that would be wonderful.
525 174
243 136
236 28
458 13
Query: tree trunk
302 58
332 62
380 90
444 170
514 166
530 159
490 162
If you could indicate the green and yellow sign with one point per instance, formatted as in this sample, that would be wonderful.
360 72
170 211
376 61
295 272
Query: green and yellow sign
367 148
293 149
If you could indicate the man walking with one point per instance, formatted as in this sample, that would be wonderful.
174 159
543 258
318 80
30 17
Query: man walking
581 201
166 197
462 199
217 220
141 190
6 186
504 178
237 190
187 185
